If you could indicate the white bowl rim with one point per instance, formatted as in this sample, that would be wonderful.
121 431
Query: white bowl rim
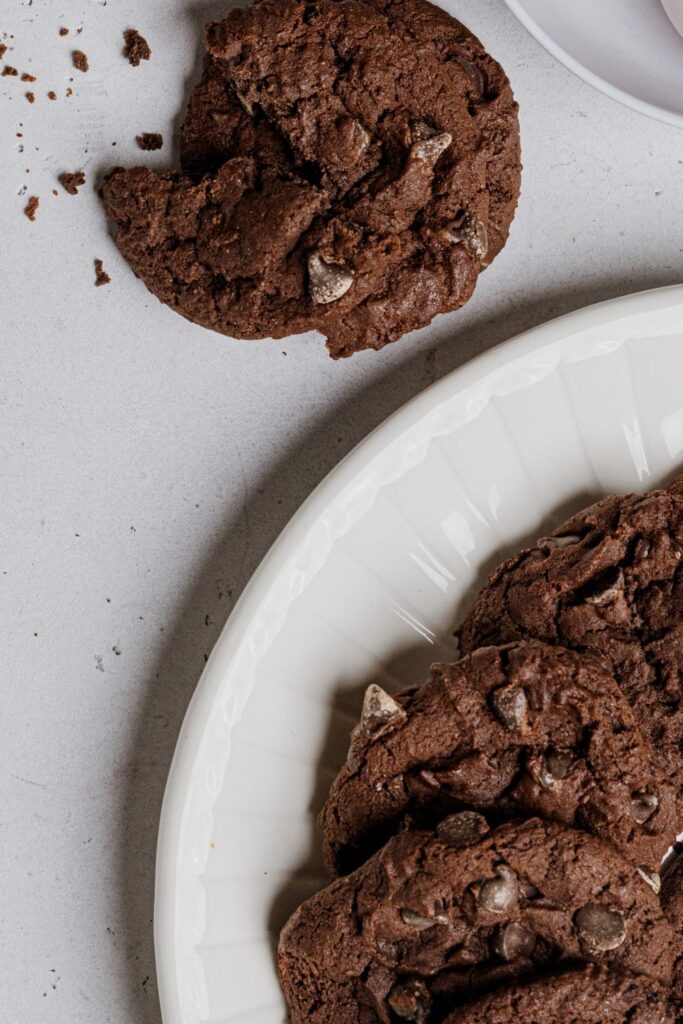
581 71
208 687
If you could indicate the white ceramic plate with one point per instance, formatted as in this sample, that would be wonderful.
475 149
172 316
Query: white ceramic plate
367 583
674 8
628 49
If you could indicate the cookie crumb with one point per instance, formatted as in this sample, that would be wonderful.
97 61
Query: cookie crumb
28 78
52 95
69 91
30 96
150 140
136 48
101 276
72 181
63 31
9 70
80 61
31 207
3 50
55 192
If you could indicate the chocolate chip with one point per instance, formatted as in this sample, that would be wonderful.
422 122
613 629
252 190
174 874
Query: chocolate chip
421 131
499 895
379 711
419 921
558 763
600 929
643 806
563 541
605 588
538 770
651 878
429 779
463 829
429 143
327 281
511 941
642 550
473 234
357 139
510 706
528 891
410 1000
474 73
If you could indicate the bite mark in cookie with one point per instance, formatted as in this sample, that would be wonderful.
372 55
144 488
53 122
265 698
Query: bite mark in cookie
405 173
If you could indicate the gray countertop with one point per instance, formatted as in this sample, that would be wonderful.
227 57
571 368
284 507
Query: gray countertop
147 465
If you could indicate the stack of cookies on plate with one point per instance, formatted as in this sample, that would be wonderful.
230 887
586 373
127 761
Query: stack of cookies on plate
496 834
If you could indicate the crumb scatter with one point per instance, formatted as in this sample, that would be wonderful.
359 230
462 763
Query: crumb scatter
28 78
31 207
101 275
9 71
150 140
80 60
136 48
30 97
71 181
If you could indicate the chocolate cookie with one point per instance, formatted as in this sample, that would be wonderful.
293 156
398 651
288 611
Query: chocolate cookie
608 581
352 166
431 921
672 904
518 730
588 996
672 891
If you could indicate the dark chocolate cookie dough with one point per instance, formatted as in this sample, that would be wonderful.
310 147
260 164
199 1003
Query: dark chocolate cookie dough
519 730
588 996
429 920
608 581
352 166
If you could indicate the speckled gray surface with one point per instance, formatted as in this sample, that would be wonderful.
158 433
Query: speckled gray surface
147 465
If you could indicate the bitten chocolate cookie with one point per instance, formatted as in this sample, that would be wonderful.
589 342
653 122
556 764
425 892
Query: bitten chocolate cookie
352 166
588 996
519 730
429 920
607 581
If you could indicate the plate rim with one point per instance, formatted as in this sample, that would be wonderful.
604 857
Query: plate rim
626 99
208 686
